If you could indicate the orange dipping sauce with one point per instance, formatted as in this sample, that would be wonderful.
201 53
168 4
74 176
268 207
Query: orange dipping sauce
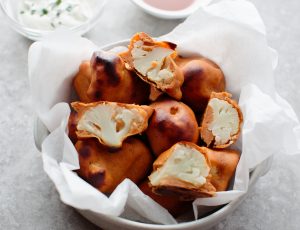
171 5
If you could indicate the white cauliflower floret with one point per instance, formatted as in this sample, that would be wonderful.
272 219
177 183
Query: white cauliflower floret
110 123
225 121
149 62
185 164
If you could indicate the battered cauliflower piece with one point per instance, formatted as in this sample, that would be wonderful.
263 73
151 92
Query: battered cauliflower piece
223 164
184 170
154 63
105 168
111 122
111 81
82 81
222 121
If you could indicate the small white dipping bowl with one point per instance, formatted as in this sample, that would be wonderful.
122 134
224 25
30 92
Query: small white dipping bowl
10 10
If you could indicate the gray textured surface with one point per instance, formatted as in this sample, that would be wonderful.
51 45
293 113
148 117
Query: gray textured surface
28 199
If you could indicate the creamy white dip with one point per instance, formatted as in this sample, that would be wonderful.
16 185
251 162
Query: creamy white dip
51 14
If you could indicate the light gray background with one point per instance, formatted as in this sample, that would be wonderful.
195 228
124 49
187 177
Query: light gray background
28 200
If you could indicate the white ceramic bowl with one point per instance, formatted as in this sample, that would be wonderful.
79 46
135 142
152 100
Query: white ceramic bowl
166 14
9 9
113 223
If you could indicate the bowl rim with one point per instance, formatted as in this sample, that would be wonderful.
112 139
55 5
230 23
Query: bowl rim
168 14
40 132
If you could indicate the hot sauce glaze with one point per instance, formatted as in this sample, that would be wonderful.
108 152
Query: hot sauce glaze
171 5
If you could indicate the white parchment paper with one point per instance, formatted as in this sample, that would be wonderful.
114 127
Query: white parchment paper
232 34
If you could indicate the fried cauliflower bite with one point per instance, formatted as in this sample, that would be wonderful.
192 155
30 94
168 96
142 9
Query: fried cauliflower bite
72 124
201 78
105 168
184 169
223 165
82 81
171 202
110 122
222 120
171 122
111 81
154 63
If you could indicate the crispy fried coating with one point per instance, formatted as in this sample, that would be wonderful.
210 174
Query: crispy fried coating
223 165
172 121
105 168
171 202
201 78
72 123
82 81
111 81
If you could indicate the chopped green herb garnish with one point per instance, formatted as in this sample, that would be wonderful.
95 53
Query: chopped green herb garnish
22 12
52 24
69 8
32 11
58 13
58 2
44 12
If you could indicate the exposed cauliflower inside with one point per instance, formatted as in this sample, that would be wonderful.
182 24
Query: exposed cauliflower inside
149 61
225 121
185 164
110 123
